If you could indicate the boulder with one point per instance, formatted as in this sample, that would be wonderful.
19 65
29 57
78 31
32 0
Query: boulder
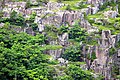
110 14
1 25
63 39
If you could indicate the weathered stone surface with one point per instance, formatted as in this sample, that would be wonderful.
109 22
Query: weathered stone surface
119 53
55 53
45 15
95 1
41 27
95 10
62 61
63 39
1 25
29 31
110 14
70 17
118 37
103 62
54 5
16 6
85 24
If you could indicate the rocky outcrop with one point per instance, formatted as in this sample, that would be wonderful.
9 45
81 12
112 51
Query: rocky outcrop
46 16
110 14
63 41
29 31
54 5
71 16
16 6
102 64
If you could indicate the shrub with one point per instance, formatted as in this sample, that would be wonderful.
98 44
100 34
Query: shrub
72 53
112 51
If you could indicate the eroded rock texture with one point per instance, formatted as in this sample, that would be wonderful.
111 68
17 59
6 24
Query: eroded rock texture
45 16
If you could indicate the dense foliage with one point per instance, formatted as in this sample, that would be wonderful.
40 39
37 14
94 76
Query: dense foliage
21 56
19 20
78 74
77 33
72 53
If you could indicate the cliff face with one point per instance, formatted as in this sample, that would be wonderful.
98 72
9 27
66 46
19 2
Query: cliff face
104 61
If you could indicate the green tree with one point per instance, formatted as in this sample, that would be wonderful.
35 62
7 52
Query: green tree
34 26
72 53
78 74
32 17
17 19
13 15
22 58
112 51
63 29
77 33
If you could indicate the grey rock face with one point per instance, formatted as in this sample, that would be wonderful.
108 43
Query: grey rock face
118 37
95 10
29 31
63 39
62 61
70 17
54 5
111 14
54 53
103 62
1 25
95 1
85 24
41 27
119 53
16 6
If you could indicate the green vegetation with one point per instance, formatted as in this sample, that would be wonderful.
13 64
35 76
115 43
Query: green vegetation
118 44
72 53
91 56
1 14
108 3
19 20
43 1
16 19
63 29
77 33
22 56
34 26
78 74
115 71
118 2
51 31
73 4
103 23
112 51
28 4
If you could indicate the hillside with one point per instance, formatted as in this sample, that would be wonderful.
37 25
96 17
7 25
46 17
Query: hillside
59 39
